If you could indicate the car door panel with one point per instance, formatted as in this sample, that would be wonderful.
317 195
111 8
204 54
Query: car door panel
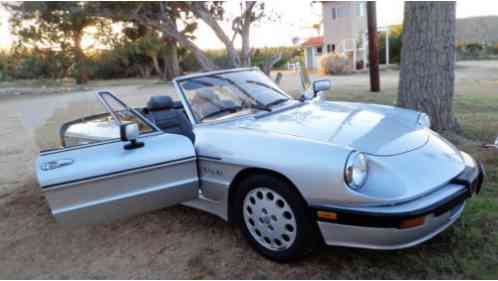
99 183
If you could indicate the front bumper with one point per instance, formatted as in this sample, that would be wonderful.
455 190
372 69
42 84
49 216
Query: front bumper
385 227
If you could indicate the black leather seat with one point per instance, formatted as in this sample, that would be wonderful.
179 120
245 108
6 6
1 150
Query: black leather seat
162 111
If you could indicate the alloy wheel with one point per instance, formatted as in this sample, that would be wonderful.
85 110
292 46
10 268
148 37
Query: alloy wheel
269 219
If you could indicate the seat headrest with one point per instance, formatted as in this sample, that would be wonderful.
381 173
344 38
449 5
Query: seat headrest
160 102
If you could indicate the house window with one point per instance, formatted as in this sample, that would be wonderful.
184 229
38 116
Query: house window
360 9
330 48
319 50
340 12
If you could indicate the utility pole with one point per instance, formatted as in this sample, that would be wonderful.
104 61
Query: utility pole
373 47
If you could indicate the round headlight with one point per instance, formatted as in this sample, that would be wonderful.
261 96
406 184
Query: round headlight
424 121
356 170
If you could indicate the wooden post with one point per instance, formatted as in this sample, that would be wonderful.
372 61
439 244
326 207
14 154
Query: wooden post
373 47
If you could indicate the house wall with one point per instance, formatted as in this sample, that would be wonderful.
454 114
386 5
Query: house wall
349 23
312 57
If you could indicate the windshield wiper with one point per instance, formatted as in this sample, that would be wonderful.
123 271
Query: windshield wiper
275 102
260 107
232 109
264 85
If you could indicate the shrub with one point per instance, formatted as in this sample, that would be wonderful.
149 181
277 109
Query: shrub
261 55
258 57
334 63
22 63
476 51
4 62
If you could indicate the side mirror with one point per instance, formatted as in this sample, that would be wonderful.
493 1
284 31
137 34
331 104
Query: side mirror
130 132
321 85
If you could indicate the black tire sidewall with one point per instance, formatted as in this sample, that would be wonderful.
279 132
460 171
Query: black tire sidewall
306 229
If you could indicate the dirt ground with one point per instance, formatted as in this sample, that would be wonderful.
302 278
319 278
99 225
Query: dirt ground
179 242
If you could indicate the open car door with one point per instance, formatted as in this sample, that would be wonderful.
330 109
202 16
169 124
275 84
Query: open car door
109 179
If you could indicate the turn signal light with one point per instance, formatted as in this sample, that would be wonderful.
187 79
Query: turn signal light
408 223
327 215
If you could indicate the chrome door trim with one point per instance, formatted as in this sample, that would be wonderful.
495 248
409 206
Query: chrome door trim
100 96
118 173
209 158
185 103
83 146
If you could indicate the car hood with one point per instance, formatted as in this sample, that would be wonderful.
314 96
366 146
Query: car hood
369 128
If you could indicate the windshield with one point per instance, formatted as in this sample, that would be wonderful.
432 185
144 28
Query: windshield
225 95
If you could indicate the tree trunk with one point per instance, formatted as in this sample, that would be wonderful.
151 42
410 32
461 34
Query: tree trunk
270 62
171 64
200 10
81 73
427 75
170 58
245 30
205 63
246 47
144 70
157 68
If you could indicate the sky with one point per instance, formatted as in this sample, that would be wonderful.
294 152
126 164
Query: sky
295 19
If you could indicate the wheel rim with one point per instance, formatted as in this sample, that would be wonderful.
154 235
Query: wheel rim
269 219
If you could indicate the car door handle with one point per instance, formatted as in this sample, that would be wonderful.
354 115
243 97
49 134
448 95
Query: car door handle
51 165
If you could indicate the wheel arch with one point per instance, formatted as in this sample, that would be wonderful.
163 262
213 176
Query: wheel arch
247 172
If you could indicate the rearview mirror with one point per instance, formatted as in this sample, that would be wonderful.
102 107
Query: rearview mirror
321 85
130 132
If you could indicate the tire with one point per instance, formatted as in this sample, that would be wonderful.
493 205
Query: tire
275 219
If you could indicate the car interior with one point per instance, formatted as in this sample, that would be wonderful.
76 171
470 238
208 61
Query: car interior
169 116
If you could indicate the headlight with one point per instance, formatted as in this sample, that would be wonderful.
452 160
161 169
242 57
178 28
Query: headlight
424 121
356 170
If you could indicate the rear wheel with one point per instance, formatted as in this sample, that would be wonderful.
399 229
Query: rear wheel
274 218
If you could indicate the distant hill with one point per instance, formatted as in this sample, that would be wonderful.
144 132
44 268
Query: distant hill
477 29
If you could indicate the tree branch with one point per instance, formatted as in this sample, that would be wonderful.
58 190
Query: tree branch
201 11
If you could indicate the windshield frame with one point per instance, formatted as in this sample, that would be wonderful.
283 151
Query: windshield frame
186 103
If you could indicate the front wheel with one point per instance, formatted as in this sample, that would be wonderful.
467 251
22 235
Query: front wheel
275 219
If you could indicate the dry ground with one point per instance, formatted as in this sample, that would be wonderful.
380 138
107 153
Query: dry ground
184 243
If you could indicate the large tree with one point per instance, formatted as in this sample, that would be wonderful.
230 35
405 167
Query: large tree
427 74
213 14
164 16
55 24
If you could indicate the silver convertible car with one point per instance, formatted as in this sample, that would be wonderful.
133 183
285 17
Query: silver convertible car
294 173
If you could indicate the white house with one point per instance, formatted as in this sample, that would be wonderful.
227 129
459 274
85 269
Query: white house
344 26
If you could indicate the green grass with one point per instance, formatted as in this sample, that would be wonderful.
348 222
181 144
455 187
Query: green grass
468 249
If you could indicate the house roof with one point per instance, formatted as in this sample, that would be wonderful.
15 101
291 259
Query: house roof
313 42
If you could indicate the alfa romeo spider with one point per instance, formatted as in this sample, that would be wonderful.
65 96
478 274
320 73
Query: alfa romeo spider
293 173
